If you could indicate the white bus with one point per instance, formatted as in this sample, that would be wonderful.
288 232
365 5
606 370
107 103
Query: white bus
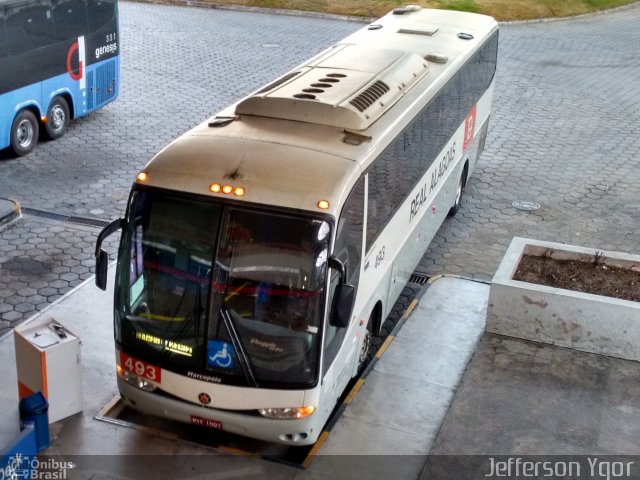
262 250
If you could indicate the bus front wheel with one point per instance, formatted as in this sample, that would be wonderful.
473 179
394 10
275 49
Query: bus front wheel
57 118
364 355
24 133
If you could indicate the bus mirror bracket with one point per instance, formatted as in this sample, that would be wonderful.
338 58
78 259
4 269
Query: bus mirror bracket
343 298
102 257
337 264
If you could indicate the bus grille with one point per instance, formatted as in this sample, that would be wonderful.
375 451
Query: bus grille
102 85
370 95
91 90
105 82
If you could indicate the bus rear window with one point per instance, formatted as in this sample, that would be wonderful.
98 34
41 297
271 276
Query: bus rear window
29 26
101 14
69 18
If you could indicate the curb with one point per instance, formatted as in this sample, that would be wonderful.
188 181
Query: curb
580 16
242 8
358 19
9 210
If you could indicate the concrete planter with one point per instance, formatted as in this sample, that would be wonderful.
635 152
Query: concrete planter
583 321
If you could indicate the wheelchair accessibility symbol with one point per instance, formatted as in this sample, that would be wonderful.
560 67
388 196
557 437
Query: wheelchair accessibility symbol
219 354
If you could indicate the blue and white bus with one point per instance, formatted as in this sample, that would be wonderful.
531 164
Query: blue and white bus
59 59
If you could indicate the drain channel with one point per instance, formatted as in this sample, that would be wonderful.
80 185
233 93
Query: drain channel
87 222
418 278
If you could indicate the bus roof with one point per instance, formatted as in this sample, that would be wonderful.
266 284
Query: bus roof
310 134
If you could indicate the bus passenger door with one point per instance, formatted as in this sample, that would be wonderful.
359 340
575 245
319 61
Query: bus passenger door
340 344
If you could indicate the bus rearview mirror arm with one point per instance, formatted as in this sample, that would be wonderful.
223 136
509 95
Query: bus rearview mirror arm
337 264
102 257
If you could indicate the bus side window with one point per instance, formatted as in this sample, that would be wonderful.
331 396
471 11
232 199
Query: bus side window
348 249
433 139
29 27
69 18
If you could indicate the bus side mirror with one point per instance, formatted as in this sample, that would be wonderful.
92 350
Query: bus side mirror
102 262
102 257
343 299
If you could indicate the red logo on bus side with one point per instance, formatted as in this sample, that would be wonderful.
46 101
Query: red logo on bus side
469 128
75 76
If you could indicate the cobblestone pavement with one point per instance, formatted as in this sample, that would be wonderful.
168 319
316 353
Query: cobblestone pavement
566 117
565 121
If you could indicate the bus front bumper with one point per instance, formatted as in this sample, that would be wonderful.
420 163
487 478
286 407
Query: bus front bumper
289 432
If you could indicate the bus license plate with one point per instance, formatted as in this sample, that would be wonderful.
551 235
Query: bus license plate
206 422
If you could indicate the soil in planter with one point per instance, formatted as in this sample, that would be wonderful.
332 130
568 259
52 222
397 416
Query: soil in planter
594 277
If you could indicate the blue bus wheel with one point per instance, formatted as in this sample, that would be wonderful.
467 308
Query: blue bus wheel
24 133
57 118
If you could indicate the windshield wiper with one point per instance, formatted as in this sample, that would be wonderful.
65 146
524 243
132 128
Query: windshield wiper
243 358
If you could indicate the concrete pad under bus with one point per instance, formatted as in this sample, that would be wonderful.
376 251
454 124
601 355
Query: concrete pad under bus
397 412
436 390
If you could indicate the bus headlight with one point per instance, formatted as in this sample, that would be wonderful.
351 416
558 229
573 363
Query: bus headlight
135 380
289 413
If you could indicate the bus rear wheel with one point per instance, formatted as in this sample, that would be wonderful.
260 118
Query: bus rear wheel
24 133
457 199
57 118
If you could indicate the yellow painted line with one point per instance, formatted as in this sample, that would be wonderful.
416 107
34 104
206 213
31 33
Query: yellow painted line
409 309
314 450
109 408
433 279
384 346
237 451
354 391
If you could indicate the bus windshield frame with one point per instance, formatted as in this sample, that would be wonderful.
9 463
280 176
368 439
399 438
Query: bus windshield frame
223 289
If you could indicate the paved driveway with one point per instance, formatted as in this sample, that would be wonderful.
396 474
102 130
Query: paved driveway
563 134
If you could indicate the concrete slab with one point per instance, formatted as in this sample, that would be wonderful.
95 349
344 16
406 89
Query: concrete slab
403 403
420 360
525 398
446 329
369 466
421 400
397 413
399 409
437 341
357 436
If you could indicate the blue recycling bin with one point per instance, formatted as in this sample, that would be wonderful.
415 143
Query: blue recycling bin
34 411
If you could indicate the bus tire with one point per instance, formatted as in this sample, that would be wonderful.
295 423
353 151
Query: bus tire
24 133
457 199
57 118
366 351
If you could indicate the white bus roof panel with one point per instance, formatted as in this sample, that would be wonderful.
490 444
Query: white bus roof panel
291 150
262 169
350 86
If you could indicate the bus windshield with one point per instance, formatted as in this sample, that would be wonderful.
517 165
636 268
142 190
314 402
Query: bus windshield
234 292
